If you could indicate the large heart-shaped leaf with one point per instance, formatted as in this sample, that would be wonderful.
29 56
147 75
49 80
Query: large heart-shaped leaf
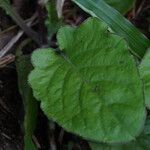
141 142
145 74
93 89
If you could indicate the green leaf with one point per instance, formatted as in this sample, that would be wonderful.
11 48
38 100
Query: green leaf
145 74
4 4
94 87
136 40
141 142
122 7
146 130
52 22
30 104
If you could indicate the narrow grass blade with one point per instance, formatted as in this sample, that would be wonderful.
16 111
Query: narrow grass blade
24 66
121 26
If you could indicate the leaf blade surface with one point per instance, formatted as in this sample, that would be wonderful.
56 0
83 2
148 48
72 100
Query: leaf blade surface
24 67
145 75
121 7
93 88
121 26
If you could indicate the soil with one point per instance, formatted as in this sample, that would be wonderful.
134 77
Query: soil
11 111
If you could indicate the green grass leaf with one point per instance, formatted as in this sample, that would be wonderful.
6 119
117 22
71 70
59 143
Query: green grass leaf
93 88
52 22
24 66
145 74
122 7
136 40
4 4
